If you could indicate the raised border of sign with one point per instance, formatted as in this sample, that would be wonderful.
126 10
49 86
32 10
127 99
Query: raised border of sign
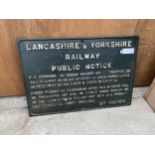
74 38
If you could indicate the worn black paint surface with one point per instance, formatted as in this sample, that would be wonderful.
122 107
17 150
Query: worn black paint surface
35 63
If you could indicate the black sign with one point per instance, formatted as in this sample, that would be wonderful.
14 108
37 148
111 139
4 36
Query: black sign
63 75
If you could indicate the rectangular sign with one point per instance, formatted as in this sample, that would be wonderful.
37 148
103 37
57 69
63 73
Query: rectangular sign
63 75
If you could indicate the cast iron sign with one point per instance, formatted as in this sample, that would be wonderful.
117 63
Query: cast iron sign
63 75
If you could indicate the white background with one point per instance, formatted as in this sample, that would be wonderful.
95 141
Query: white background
77 9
